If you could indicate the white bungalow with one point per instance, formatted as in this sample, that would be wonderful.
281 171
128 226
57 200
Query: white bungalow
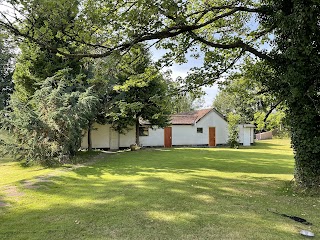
206 127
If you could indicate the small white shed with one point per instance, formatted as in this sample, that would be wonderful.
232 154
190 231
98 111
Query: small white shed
246 134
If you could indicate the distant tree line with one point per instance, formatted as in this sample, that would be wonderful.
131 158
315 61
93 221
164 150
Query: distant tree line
243 93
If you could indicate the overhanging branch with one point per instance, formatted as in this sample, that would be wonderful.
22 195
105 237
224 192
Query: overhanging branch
168 32
270 111
237 44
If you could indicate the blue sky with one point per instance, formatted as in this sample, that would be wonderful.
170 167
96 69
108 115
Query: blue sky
181 70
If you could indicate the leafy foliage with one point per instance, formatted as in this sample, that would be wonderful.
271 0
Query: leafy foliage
48 128
233 129
6 69
274 121
184 102
139 91
297 57
245 94
220 30
35 64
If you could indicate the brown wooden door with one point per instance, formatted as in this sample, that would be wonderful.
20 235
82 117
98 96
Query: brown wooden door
212 136
168 137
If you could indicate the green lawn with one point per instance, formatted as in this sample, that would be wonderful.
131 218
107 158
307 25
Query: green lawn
184 193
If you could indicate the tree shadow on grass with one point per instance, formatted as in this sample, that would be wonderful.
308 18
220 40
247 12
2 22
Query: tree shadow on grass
191 160
176 194
261 144
147 207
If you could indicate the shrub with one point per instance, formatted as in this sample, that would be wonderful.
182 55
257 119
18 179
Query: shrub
233 128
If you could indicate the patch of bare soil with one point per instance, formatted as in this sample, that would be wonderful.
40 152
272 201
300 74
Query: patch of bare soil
12 191
4 204
93 160
33 184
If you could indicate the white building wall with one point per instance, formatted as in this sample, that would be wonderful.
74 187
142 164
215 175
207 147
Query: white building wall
251 135
104 137
155 138
221 126
128 138
212 119
187 134
100 135
246 135
114 139
241 133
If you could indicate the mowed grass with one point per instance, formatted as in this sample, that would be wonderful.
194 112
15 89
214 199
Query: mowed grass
183 193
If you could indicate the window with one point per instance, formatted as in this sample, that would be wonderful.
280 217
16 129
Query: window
199 130
143 131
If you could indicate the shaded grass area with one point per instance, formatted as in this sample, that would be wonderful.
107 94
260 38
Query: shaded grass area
183 193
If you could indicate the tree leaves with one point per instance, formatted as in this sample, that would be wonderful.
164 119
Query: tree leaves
48 128
6 69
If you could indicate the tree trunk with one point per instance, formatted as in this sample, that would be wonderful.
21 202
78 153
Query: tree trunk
89 136
137 131
304 120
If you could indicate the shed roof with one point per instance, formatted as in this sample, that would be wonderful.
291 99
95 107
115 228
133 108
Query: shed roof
188 118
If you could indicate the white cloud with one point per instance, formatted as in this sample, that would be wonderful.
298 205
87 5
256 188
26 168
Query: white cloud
211 93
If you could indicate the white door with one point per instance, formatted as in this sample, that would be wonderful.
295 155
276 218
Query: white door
246 136
114 139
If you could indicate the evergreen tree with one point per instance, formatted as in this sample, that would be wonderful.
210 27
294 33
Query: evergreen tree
35 64
140 92
48 127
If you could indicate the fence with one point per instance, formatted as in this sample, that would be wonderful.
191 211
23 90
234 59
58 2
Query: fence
264 135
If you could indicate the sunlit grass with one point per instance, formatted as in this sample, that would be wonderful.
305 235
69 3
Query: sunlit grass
182 193
13 172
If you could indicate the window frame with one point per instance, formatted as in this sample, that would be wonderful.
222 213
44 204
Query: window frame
143 131
200 130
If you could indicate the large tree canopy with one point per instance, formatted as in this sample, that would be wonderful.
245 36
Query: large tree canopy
222 30
99 28
244 93
6 69
139 91
35 64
